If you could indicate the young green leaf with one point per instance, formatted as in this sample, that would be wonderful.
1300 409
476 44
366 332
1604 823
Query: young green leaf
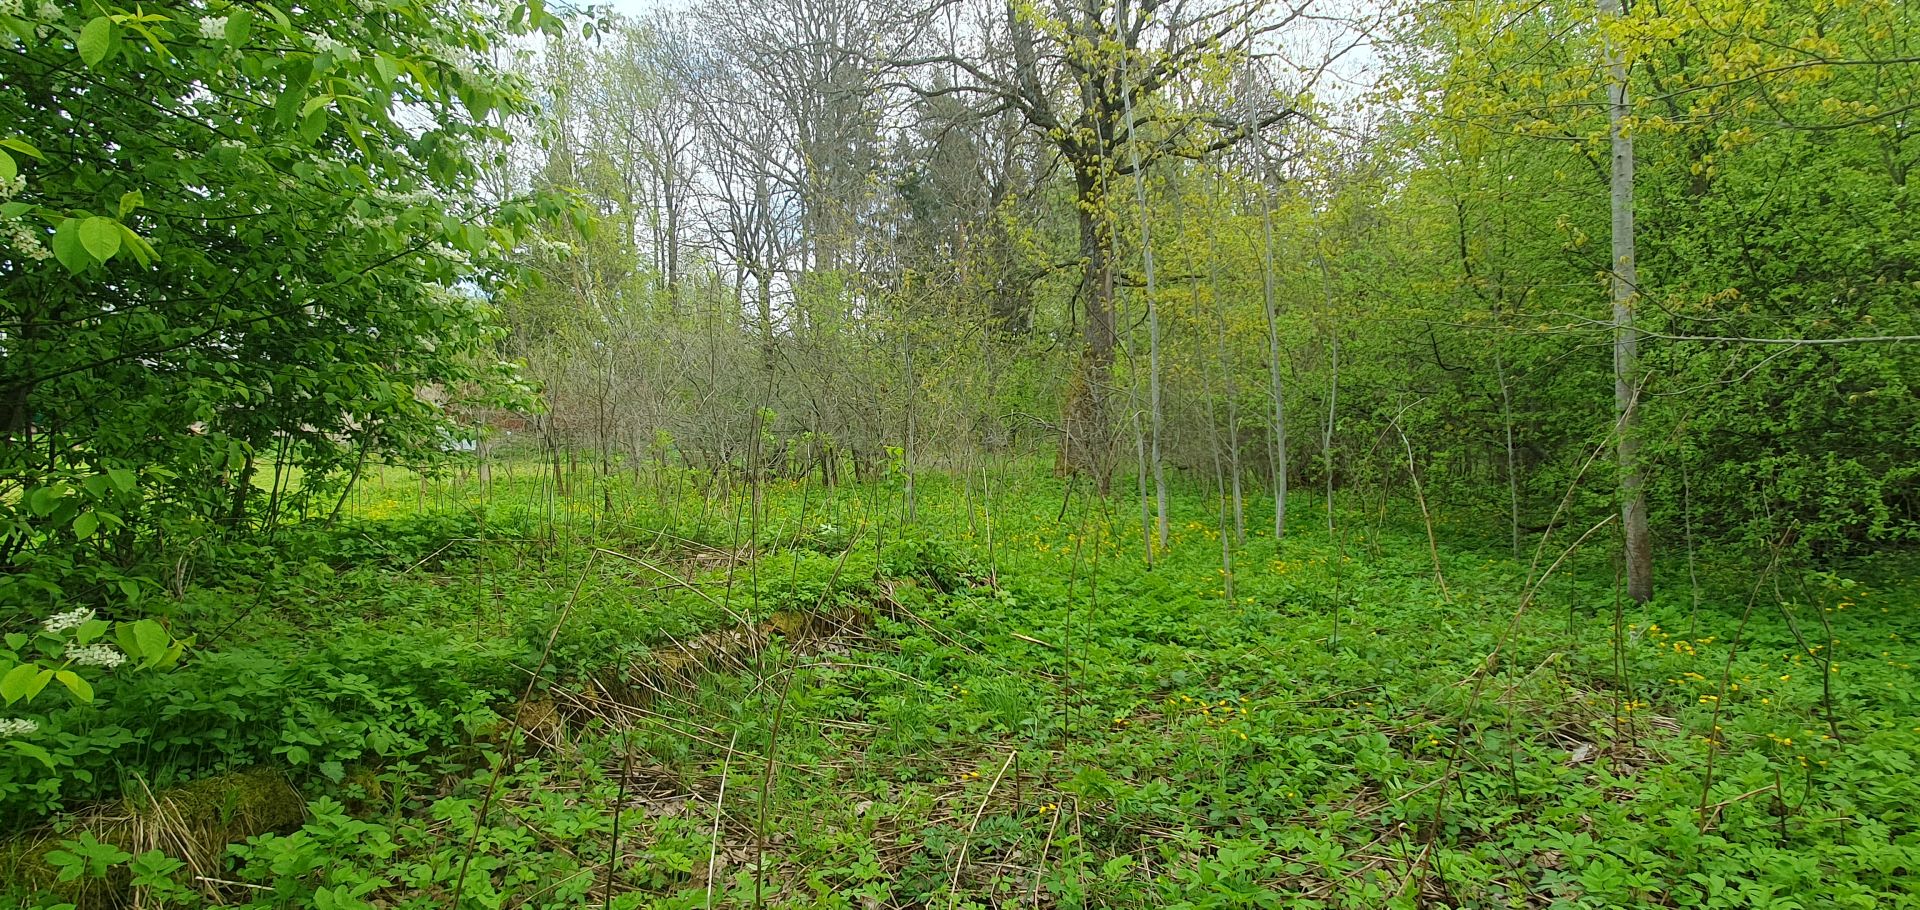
239 25
24 147
32 751
101 237
151 638
90 631
94 40
14 685
24 682
67 247
76 684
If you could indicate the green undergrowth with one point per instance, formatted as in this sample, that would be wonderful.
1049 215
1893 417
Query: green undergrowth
1024 714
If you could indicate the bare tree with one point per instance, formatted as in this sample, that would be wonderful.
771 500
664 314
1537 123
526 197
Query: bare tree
1090 79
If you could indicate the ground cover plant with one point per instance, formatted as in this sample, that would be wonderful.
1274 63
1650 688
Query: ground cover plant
487 695
940 454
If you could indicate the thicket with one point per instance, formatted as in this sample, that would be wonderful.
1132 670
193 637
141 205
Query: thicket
450 423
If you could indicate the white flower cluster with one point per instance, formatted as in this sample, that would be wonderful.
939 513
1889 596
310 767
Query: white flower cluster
11 188
442 251
72 619
415 197
377 223
47 11
16 727
106 656
213 28
325 43
550 246
12 8
25 240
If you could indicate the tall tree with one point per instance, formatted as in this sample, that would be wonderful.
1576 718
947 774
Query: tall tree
1624 284
1090 78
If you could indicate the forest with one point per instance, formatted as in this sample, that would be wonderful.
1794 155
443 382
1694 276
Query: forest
959 454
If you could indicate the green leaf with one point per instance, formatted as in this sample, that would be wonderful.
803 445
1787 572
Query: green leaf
101 237
84 524
90 631
43 500
130 200
70 866
123 479
138 245
387 67
24 682
239 25
23 146
8 170
124 637
67 248
151 638
18 681
94 40
80 688
32 751
313 124
152 39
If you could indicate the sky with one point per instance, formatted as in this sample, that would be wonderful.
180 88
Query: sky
1348 79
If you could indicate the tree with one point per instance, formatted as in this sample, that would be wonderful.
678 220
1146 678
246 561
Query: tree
1089 77
240 237
1624 286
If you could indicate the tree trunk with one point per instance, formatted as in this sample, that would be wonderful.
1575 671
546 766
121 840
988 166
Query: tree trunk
1273 371
1626 338
1086 419
1513 479
1225 357
1156 412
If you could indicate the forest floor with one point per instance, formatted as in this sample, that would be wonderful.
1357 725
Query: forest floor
809 705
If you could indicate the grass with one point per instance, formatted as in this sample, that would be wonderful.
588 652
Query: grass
812 703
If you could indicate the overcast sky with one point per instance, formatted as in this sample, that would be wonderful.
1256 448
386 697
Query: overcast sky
1350 77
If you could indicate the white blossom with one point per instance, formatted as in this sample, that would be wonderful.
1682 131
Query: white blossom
12 8
325 43
72 619
96 656
25 240
443 251
213 28
371 224
414 197
16 727
47 11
